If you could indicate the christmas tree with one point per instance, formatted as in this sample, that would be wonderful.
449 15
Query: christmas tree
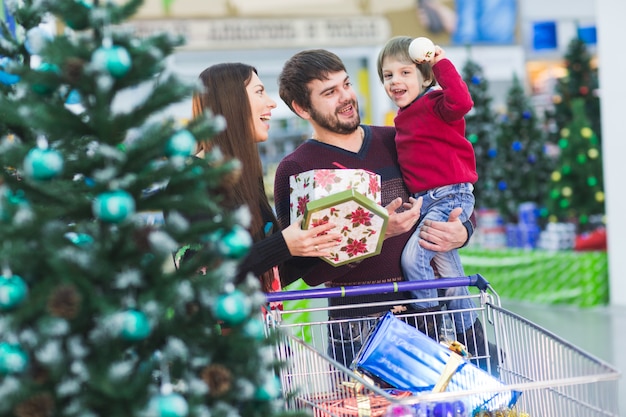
95 321
576 191
480 126
522 166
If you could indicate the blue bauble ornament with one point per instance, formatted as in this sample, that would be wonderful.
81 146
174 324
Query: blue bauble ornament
73 98
182 143
526 114
475 79
43 164
134 325
90 182
232 308
502 185
168 405
517 146
13 291
13 360
492 153
459 408
443 409
236 243
8 78
270 390
113 206
114 59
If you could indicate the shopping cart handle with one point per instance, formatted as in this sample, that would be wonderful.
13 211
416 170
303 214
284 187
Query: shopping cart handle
476 280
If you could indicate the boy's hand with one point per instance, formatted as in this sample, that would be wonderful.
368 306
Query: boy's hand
439 54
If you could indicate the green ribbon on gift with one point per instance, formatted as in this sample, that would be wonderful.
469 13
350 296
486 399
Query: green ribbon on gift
562 277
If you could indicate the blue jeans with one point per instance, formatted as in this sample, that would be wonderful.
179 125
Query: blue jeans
416 260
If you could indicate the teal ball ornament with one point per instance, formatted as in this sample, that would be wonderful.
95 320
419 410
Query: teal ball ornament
79 239
43 164
10 203
268 391
13 360
181 144
114 59
232 308
254 329
47 79
134 325
79 19
168 405
113 206
13 291
236 243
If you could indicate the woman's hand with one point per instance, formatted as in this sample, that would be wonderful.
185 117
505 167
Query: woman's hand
444 236
315 241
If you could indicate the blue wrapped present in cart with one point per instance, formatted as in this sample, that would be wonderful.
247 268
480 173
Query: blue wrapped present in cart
405 358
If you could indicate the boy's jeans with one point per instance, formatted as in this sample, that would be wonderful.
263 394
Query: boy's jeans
416 260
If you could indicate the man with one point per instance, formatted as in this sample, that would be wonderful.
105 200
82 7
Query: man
315 85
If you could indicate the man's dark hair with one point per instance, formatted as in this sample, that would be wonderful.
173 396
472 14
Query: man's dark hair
302 68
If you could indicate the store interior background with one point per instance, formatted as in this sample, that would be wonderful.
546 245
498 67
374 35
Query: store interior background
600 331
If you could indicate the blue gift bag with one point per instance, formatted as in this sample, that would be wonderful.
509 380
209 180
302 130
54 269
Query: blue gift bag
405 358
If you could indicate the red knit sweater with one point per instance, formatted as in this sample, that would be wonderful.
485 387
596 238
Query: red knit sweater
430 135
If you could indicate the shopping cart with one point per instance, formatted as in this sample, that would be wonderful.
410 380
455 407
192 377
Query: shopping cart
553 377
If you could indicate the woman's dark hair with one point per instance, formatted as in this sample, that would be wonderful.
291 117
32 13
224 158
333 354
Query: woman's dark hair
225 94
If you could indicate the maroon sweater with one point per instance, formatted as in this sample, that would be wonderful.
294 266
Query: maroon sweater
378 154
434 126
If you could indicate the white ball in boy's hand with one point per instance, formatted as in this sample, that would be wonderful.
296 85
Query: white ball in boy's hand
422 50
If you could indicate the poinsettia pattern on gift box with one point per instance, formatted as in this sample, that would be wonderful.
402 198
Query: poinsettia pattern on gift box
314 184
361 222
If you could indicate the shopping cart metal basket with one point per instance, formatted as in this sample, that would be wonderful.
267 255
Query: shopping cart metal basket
554 377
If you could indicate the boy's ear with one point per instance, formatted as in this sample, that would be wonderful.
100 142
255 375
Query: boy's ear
300 111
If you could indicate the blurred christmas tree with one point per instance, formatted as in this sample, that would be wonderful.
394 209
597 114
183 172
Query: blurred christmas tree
94 321
576 191
522 167
480 127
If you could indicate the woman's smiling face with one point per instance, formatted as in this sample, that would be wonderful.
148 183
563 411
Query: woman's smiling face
261 106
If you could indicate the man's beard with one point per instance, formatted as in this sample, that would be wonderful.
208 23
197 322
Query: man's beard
332 123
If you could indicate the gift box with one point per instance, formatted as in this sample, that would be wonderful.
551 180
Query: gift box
317 183
405 358
361 222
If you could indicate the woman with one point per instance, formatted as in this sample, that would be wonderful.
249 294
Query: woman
235 91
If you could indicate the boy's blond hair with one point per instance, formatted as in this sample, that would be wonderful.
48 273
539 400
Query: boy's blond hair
398 48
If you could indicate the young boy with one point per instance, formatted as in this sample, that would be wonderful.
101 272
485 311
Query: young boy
436 160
